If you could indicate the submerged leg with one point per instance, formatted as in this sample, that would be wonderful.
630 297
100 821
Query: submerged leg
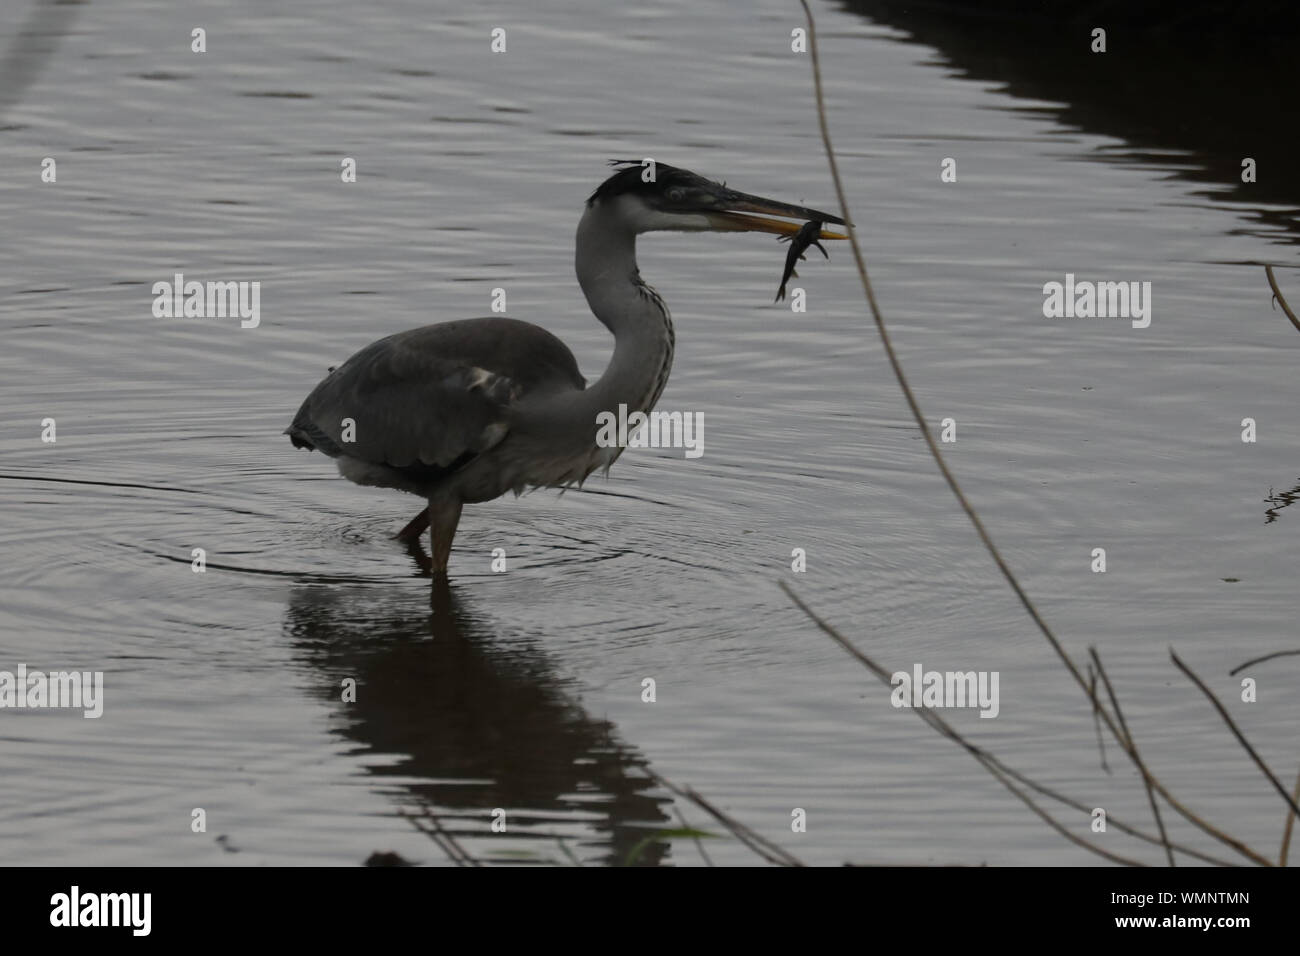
444 516
414 528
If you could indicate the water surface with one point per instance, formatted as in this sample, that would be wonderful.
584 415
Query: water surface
523 690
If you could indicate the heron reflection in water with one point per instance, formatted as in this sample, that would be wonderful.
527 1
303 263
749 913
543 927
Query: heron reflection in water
462 412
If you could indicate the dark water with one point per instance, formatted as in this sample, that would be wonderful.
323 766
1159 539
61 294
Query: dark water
522 690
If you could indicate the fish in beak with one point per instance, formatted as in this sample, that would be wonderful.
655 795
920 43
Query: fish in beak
801 240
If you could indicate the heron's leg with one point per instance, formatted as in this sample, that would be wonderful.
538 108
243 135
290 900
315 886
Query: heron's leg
444 516
414 528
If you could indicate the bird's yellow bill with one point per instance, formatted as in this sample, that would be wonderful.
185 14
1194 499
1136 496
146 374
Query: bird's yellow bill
736 221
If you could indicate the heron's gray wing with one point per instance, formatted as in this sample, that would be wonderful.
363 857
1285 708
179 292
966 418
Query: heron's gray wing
429 400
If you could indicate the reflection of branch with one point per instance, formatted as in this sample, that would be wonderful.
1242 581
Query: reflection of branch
1279 500
564 848
1272 283
1260 660
755 841
441 837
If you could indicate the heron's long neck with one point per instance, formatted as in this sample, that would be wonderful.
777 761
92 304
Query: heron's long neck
643 331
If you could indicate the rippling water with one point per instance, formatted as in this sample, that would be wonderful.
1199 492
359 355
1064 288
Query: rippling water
522 691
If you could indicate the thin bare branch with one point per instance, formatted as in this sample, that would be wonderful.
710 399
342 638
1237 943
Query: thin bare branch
1260 660
699 844
1290 821
1241 738
915 408
1272 284
1000 771
1096 718
1128 735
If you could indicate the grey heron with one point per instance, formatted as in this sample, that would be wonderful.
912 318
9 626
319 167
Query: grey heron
463 411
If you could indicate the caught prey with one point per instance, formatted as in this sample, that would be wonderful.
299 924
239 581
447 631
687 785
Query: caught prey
801 240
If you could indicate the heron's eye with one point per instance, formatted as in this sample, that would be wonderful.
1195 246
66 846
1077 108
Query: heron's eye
676 194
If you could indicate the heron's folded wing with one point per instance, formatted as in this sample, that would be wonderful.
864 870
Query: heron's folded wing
401 406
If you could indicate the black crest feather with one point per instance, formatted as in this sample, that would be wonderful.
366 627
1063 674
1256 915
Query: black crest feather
628 180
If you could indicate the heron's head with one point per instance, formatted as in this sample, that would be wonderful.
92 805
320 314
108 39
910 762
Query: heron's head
661 197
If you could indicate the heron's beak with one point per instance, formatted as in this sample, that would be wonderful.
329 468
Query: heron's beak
740 212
